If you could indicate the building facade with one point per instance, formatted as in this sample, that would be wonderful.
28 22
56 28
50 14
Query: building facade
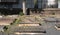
17 4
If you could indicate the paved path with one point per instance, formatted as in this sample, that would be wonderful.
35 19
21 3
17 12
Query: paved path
49 26
50 29
31 19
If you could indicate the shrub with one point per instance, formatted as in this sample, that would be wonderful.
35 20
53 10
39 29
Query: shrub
53 13
11 23
5 28
14 21
21 13
39 24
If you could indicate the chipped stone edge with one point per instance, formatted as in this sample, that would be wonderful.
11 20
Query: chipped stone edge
57 28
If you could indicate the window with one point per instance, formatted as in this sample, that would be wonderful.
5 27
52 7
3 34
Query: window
52 4
42 3
29 3
8 0
47 4
7 6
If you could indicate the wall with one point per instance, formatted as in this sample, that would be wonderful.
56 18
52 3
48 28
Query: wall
47 11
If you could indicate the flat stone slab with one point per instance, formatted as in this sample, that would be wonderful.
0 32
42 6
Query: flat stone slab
57 28
6 21
18 33
50 19
58 25
30 29
28 24
31 19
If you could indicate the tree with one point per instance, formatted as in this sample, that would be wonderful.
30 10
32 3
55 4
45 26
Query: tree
35 3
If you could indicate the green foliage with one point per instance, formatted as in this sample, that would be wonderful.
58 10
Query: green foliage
14 20
21 13
35 4
35 1
5 28
11 23
40 24
17 21
53 13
